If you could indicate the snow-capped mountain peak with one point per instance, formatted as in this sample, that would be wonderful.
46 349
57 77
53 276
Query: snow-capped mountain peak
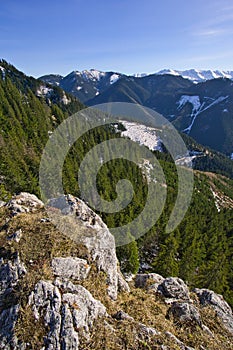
197 75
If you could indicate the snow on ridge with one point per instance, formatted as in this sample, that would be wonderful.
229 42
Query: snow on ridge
168 71
197 76
142 134
140 75
91 74
114 77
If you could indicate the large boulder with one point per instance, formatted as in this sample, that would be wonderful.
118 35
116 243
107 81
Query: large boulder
175 288
216 301
172 288
185 313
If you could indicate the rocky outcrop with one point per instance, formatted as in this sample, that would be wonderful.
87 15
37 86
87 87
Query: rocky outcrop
89 230
65 309
172 288
24 203
92 233
66 312
11 271
216 301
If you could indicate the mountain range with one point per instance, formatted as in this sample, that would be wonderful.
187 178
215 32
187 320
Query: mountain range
195 103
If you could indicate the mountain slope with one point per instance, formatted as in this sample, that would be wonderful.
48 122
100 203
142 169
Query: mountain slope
29 112
204 111
84 85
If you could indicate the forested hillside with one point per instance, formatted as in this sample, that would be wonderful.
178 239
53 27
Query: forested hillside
29 112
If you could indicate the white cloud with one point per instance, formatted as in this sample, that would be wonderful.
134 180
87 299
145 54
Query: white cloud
210 32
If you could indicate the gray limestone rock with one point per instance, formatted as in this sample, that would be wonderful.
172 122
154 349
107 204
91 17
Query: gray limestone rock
16 236
216 301
11 271
185 313
2 203
65 309
8 318
141 279
178 342
24 203
85 227
174 287
71 268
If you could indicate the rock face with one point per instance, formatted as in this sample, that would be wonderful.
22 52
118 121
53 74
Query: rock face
11 271
216 301
8 318
64 313
71 268
88 229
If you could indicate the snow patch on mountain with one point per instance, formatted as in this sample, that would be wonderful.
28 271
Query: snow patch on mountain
65 100
3 72
43 91
114 78
198 107
142 134
194 100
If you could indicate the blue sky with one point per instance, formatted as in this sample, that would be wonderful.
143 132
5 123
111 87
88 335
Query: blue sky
130 36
